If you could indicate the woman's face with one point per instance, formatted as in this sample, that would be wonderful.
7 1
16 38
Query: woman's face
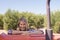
22 24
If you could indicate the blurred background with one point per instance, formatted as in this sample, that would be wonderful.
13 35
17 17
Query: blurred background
33 10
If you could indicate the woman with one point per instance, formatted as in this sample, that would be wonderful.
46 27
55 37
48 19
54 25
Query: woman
22 26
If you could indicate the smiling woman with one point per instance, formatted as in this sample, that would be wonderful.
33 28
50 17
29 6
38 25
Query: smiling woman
22 24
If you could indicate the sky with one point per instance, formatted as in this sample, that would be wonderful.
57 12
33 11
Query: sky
34 6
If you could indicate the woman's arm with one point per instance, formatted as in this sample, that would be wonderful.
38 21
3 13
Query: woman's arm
14 32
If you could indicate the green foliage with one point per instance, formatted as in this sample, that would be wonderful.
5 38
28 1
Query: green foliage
10 19
56 22
56 27
1 21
